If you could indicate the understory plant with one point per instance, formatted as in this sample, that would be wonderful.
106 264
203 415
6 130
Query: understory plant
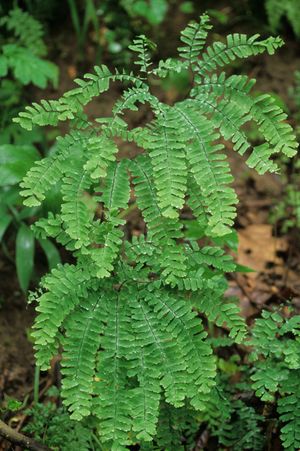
277 10
286 214
22 62
130 314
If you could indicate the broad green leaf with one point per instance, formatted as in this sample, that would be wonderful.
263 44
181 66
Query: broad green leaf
231 240
3 66
28 68
51 252
5 220
9 196
153 11
192 229
24 256
15 161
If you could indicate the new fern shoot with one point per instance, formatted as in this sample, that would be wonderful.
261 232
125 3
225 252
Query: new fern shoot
126 314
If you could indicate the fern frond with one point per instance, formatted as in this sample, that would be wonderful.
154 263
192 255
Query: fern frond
174 425
117 190
48 171
109 240
270 119
166 147
228 118
276 10
210 171
260 159
81 344
153 335
73 101
145 398
177 319
247 420
101 151
112 404
27 67
213 256
262 110
268 379
170 65
289 413
197 205
26 29
64 285
223 313
194 36
263 333
160 229
236 46
141 45
74 211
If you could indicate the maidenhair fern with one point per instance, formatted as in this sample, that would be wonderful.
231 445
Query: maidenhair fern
126 312
276 350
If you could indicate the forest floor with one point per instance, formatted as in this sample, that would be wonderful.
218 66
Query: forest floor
274 256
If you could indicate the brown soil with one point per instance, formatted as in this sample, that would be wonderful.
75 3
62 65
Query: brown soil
16 354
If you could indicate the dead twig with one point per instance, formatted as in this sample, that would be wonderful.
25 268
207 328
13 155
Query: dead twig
19 439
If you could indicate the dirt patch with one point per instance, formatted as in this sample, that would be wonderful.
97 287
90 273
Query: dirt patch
16 353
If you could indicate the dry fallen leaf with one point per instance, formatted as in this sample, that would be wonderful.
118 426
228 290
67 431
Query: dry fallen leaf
258 249
72 71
